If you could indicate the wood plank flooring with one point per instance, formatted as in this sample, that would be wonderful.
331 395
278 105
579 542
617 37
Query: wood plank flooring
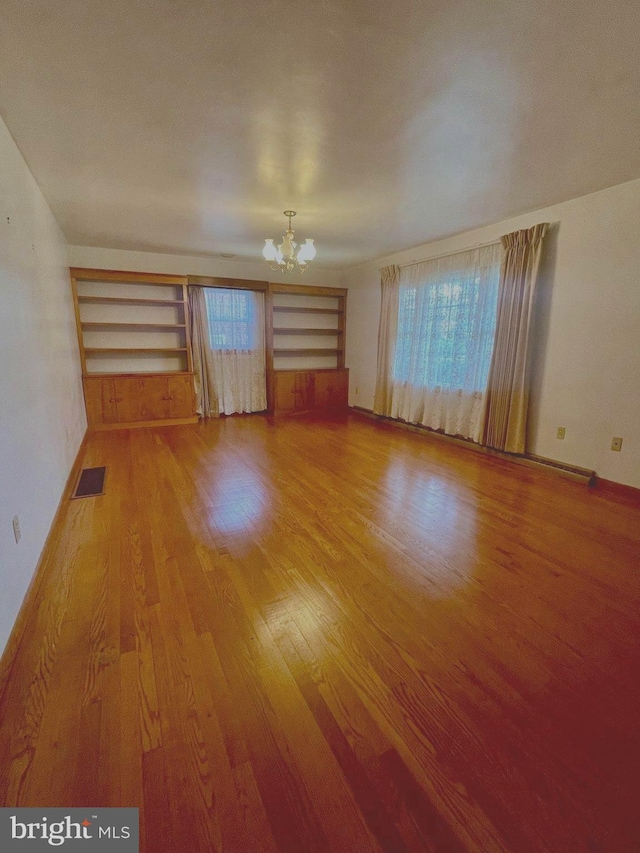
331 635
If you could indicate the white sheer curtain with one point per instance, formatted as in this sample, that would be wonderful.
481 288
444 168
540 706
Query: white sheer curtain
236 336
446 327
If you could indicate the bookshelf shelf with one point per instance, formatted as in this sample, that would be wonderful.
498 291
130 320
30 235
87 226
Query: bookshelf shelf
124 300
130 327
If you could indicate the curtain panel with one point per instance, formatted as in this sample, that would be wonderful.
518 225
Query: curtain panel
207 405
444 337
509 375
227 339
389 281
237 349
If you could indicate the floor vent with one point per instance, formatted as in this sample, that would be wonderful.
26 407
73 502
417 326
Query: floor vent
91 483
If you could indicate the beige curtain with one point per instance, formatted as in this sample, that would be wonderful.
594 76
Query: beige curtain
445 336
508 384
236 319
207 405
387 332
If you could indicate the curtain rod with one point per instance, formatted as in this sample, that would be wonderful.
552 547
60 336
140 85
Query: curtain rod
449 254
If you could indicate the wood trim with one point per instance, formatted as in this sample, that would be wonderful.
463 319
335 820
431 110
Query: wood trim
620 490
124 276
268 348
278 353
187 327
287 309
112 350
307 332
314 370
76 308
26 610
136 374
307 289
140 424
269 331
342 326
124 300
228 283
92 326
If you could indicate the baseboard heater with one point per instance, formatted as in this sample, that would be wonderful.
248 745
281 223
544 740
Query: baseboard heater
571 470
90 483
583 475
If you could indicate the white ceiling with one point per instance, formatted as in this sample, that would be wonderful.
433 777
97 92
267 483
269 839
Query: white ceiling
188 126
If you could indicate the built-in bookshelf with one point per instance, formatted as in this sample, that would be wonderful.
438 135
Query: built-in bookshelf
306 327
133 335
135 349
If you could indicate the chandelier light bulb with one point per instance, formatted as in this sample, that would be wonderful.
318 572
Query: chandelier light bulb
269 252
284 257
307 251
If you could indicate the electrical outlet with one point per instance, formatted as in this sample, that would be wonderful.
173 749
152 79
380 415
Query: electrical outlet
560 432
616 443
16 528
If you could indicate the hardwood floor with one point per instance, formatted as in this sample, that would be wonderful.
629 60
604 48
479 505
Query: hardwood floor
331 635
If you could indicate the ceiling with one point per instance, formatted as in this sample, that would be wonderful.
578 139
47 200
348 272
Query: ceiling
188 127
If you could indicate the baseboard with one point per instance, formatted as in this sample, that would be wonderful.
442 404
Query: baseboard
31 595
329 411
142 424
581 475
618 489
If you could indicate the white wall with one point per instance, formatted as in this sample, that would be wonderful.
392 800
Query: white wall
119 259
42 418
587 365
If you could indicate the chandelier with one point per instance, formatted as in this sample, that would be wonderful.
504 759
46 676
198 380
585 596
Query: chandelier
284 257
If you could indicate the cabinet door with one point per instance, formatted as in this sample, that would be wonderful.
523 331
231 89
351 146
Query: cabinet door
128 399
153 397
100 400
109 401
293 392
331 389
93 399
181 396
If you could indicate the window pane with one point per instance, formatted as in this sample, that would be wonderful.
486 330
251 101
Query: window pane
446 326
231 317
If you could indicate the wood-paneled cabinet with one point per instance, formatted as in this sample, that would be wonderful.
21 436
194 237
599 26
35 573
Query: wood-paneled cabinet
132 400
307 390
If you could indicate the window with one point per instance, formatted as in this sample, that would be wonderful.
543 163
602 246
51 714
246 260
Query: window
231 317
446 322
